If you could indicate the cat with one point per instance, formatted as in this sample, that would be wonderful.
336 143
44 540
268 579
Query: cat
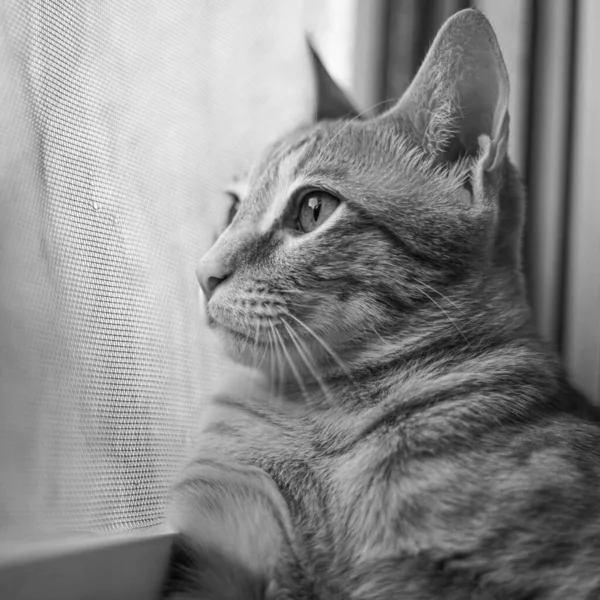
398 429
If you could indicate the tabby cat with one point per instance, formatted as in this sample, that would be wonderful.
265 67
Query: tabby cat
399 431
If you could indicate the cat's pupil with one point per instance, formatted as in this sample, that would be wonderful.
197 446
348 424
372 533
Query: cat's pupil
315 204
315 209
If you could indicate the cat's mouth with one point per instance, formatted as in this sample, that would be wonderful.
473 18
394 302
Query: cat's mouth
247 321
271 336
236 334
270 345
286 349
252 338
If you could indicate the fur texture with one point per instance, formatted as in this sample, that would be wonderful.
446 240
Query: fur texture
401 431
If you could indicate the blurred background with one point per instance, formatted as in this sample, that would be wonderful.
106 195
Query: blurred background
122 121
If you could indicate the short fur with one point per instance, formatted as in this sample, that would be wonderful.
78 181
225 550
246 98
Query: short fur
406 435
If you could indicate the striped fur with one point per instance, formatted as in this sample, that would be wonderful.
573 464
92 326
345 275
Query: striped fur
397 430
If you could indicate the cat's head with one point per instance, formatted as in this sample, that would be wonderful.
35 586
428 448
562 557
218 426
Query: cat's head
351 232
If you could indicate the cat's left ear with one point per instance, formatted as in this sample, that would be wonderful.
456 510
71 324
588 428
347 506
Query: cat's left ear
457 104
331 102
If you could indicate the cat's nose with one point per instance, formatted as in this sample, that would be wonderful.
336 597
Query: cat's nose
211 273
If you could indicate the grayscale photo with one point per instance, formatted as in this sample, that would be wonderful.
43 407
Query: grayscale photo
299 300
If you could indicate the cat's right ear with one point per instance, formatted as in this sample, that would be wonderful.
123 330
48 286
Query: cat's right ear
331 102
457 104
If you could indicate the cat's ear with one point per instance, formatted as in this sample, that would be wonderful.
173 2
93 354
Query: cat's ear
331 102
457 104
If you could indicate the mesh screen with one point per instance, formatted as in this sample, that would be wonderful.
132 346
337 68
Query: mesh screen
119 124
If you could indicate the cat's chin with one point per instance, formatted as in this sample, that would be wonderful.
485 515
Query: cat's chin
240 355
281 361
259 358
242 349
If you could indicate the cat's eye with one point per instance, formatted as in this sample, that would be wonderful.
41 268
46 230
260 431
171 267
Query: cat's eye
235 203
315 209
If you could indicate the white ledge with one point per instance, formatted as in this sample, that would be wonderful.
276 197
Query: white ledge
127 566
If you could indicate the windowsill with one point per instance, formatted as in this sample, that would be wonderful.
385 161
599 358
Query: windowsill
103 567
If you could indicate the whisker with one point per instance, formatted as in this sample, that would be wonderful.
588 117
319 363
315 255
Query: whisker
307 361
358 116
377 334
292 365
449 319
271 363
324 345
262 359
440 293
254 358
280 363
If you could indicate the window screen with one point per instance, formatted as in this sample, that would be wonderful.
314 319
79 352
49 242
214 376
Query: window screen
119 124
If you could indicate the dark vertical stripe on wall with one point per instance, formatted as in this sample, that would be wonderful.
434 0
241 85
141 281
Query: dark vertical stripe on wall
431 17
382 93
400 38
410 28
530 140
563 296
547 169
426 30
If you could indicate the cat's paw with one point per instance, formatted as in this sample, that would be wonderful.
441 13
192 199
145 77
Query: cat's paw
198 574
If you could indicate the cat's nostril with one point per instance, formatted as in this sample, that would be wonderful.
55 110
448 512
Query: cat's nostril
208 282
211 272
213 282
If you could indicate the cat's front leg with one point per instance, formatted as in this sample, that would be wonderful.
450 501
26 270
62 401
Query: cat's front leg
234 525
234 532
